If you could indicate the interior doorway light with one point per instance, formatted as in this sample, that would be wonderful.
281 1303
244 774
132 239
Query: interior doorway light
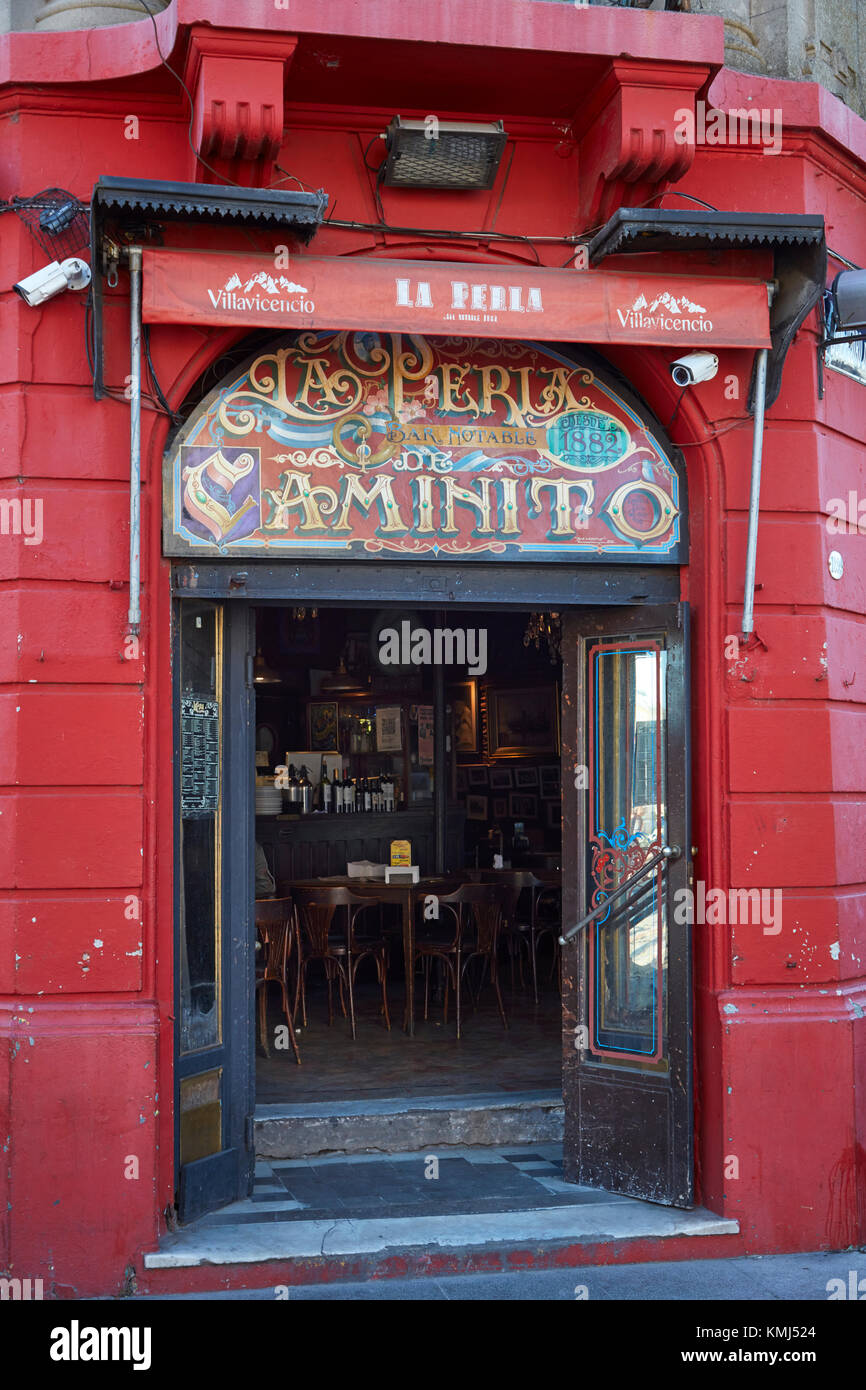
342 682
442 154
262 673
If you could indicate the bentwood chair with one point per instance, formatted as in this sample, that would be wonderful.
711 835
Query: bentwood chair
531 913
341 951
275 923
467 929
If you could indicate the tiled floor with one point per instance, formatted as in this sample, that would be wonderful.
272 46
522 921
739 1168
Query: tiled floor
379 1064
400 1186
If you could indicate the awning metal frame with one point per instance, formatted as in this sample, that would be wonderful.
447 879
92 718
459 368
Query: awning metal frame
134 209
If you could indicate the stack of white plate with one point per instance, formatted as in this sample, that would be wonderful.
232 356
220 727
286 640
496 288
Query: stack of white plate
269 801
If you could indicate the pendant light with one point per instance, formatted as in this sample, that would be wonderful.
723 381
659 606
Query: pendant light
262 673
342 682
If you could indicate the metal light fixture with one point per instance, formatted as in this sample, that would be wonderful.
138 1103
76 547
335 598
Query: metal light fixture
442 154
545 627
342 681
262 673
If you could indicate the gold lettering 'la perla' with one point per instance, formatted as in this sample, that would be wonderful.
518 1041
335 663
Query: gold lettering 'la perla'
330 390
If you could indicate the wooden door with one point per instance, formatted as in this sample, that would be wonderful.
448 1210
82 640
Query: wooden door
627 1074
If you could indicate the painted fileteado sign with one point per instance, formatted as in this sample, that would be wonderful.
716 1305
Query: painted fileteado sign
358 444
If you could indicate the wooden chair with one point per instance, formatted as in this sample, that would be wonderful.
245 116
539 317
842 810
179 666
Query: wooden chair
275 923
469 931
531 912
340 952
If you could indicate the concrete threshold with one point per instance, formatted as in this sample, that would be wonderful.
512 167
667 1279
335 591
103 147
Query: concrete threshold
402 1123
341 1246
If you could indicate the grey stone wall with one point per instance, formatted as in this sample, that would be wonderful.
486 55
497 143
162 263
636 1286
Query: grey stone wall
805 40
71 14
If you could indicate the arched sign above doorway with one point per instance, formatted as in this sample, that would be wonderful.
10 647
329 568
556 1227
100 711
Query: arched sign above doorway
360 444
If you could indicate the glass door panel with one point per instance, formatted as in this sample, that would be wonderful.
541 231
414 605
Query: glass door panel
213 888
627 1057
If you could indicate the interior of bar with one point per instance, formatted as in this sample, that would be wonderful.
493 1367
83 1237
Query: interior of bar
407 843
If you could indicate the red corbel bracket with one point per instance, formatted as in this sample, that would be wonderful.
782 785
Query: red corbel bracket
632 137
236 79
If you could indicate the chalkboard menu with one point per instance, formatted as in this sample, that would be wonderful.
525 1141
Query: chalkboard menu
200 752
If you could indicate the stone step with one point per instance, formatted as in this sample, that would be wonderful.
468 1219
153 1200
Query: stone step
345 1218
401 1124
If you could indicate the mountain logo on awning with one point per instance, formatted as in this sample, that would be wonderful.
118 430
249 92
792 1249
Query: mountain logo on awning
275 293
669 312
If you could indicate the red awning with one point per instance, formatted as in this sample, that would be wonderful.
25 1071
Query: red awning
453 299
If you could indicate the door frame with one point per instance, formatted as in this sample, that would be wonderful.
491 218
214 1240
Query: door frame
362 584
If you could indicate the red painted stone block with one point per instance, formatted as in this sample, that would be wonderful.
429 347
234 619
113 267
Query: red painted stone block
819 941
786 1082
83 944
66 632
103 1121
78 840
47 737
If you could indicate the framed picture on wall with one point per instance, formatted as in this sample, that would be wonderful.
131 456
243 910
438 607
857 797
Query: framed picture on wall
525 722
476 807
525 778
549 781
522 806
500 807
501 779
464 714
322 726
477 776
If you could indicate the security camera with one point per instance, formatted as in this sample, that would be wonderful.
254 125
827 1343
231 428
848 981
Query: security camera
695 366
72 274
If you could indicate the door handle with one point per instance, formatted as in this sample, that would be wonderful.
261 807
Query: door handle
664 855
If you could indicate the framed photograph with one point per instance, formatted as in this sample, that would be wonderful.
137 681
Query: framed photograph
500 807
476 807
389 729
477 776
525 778
322 726
425 735
523 723
464 714
549 781
501 779
522 806
554 814
461 783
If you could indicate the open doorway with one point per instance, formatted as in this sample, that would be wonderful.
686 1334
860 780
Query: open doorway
346 710
614 1003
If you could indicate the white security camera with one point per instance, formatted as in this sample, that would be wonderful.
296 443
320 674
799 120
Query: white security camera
72 274
695 366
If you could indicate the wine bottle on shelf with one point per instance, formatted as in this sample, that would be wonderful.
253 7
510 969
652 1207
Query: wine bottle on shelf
305 788
293 788
324 790
348 794
368 795
339 795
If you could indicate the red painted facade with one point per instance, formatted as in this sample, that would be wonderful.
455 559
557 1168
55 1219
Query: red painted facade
86 906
